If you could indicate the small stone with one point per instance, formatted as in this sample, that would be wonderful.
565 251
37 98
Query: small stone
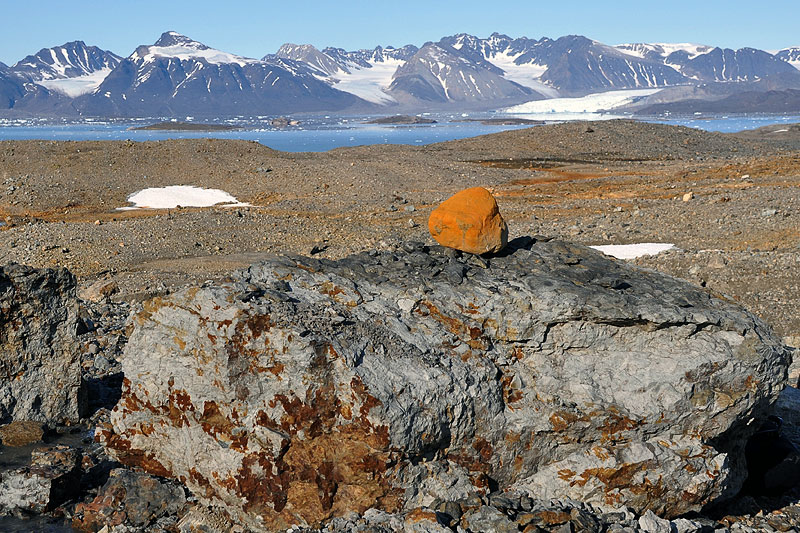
101 363
317 248
469 221
488 519
688 196
409 208
717 261
97 222
649 522
683 525
99 291
21 433
769 212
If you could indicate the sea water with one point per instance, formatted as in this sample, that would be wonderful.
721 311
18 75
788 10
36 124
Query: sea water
322 133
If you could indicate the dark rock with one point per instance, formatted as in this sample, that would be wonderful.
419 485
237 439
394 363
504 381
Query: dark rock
129 498
39 346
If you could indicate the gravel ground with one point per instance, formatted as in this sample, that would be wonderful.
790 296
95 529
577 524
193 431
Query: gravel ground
621 182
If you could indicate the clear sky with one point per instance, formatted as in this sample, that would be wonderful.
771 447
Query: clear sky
255 28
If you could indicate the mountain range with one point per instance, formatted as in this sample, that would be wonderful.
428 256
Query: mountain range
177 76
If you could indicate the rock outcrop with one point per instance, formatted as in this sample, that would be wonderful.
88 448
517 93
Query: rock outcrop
49 481
469 221
39 353
304 389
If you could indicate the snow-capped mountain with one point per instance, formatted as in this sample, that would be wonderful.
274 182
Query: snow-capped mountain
570 64
790 55
364 73
70 60
661 51
71 69
710 64
438 73
177 75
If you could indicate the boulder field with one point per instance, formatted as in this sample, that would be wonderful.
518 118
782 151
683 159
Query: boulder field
305 389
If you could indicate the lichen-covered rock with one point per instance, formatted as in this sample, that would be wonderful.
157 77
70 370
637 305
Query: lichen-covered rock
306 389
48 482
39 353
469 221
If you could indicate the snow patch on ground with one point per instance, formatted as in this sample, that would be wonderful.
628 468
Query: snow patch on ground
180 195
79 85
632 251
592 103
369 83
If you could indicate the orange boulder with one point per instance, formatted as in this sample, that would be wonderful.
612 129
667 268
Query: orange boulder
469 221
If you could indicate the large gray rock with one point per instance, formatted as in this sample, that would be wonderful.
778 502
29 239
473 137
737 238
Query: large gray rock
39 352
306 389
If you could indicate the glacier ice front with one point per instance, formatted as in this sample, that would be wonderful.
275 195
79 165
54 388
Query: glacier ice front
174 196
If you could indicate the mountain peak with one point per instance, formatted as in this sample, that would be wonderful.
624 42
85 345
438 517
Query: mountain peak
173 38
173 45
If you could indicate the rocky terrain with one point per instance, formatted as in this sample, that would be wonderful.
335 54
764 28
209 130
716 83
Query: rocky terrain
728 202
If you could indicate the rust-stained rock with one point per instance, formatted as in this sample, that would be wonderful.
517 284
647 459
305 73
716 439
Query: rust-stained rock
469 221
307 389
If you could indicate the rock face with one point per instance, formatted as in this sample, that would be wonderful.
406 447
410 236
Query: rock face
469 221
39 356
305 389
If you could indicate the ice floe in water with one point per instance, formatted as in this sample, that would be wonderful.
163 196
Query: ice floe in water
632 251
181 196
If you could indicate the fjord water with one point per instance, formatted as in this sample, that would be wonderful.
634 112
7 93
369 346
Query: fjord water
322 133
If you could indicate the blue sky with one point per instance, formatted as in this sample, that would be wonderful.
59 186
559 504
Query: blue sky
255 28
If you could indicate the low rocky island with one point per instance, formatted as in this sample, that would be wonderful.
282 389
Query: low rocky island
505 121
184 126
401 120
